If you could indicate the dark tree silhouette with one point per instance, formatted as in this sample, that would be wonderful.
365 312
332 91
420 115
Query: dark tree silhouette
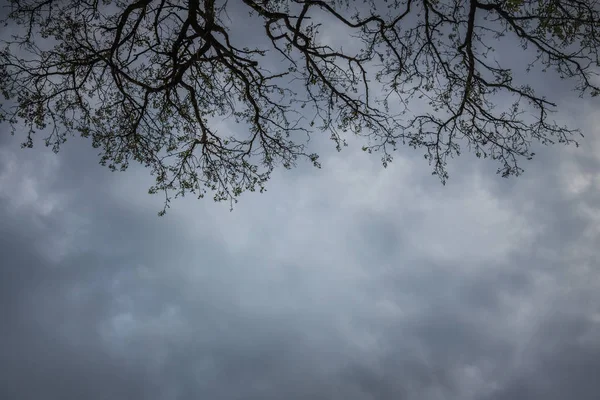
146 80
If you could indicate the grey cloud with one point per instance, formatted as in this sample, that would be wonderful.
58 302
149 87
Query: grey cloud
563 368
50 345
350 282
142 307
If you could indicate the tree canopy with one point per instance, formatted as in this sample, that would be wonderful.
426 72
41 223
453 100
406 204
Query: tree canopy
150 80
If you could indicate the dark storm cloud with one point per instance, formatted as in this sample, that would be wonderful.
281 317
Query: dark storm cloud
563 365
50 343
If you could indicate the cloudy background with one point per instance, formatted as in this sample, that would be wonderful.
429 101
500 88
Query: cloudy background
349 282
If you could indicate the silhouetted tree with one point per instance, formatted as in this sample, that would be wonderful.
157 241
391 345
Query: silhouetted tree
146 80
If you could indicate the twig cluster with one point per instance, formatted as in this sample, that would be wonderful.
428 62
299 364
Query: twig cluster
146 79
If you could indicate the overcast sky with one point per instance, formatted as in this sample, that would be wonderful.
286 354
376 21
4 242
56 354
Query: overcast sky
349 282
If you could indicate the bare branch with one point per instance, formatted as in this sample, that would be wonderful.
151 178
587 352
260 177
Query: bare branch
147 79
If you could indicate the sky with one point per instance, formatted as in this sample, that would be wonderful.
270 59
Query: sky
348 282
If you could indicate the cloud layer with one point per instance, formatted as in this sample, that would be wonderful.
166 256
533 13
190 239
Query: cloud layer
349 282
